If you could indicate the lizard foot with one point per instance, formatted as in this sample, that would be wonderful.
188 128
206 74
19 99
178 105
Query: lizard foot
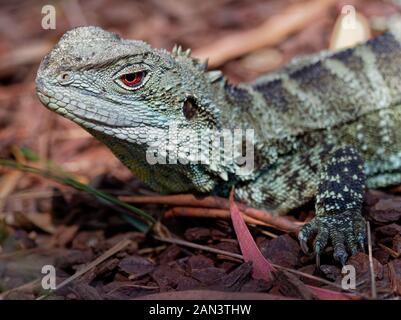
345 231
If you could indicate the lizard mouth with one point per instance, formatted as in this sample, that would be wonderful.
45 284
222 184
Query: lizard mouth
67 111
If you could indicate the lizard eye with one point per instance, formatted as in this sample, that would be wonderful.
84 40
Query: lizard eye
134 79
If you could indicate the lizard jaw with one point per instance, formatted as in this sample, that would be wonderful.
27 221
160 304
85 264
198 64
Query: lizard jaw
76 111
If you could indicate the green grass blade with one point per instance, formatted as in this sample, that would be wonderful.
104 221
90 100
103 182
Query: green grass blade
143 221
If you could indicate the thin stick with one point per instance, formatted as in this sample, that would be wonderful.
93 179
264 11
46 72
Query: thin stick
118 247
372 272
210 213
199 246
180 200
278 222
392 252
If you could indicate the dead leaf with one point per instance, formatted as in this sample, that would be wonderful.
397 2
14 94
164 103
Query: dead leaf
262 268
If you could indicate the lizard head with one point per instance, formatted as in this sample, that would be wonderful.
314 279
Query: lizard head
129 95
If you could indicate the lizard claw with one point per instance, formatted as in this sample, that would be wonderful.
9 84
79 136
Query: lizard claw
346 231
318 261
362 246
304 246
306 232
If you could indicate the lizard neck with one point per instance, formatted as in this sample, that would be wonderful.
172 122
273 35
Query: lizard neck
245 107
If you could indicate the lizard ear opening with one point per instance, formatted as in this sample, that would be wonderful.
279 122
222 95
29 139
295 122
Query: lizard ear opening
189 108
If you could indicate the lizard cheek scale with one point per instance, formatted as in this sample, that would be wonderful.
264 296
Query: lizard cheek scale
324 127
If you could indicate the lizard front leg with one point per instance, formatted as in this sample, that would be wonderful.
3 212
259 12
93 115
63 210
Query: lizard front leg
341 184
333 177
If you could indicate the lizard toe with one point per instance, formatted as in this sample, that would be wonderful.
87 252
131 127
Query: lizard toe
307 231
345 231
320 243
340 252
360 233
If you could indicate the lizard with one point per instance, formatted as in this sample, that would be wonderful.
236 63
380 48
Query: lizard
325 127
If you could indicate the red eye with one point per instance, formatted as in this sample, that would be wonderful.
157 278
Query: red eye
133 79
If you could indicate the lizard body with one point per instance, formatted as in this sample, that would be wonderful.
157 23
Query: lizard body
324 128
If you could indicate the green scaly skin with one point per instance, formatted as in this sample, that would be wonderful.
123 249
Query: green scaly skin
325 127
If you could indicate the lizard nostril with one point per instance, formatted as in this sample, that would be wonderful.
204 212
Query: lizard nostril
65 77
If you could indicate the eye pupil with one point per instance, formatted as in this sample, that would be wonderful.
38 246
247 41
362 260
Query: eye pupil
132 79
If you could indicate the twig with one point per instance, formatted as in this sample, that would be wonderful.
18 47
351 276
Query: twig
282 223
118 247
270 33
199 246
372 272
210 213
180 200
391 252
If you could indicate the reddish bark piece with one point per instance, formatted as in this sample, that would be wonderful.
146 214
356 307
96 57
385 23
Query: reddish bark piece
136 265
83 291
235 280
325 294
106 266
73 257
187 283
227 246
256 285
394 268
197 234
389 230
170 277
382 255
361 263
118 290
397 244
85 240
170 254
283 250
199 262
386 210
208 276
262 268
63 235
290 286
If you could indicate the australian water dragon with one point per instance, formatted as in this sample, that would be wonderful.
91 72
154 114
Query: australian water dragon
324 127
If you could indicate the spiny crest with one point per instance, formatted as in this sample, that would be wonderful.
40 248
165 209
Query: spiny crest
213 76
177 51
